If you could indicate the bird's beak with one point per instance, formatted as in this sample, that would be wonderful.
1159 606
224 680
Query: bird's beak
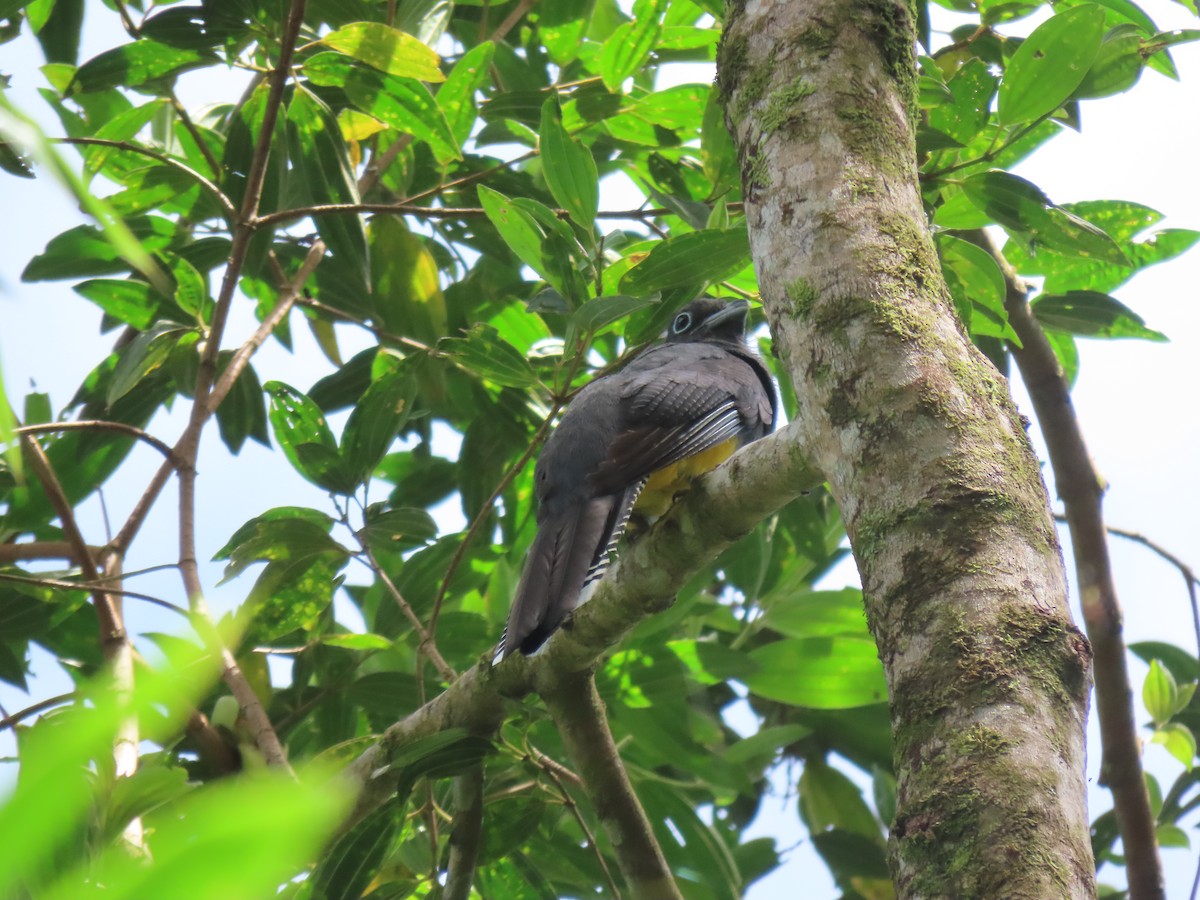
723 319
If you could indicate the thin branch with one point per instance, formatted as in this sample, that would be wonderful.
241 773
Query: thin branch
112 630
470 179
99 425
438 212
1081 490
382 334
573 807
34 550
484 512
1189 576
20 715
426 645
214 164
582 722
511 20
226 204
466 835
100 584
287 299
189 443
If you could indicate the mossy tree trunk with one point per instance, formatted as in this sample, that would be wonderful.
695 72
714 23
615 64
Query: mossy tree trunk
923 450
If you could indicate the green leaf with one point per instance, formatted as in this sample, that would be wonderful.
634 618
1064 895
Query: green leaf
522 233
1050 64
697 256
1182 665
1159 693
262 828
1021 206
972 88
86 250
569 169
133 302
815 613
485 354
1118 65
1178 740
457 96
133 65
1172 836
598 313
347 868
387 49
303 434
380 414
141 356
191 291
762 747
357 641
977 285
628 46
402 103
819 672
1090 314
829 799
292 594
320 166
243 413
282 533
397 529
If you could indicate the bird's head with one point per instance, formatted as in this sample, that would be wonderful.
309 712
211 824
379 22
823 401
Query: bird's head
710 319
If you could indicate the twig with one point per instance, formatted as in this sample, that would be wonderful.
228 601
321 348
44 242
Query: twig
511 20
382 334
20 715
287 299
573 807
579 713
436 212
1189 576
227 206
484 512
96 585
99 425
1081 490
112 630
427 646
180 110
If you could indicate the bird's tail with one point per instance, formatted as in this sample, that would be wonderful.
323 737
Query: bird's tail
571 548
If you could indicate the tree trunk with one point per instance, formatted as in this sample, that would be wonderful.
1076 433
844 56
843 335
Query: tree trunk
924 452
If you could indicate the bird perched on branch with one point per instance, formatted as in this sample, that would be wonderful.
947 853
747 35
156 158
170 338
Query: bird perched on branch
628 443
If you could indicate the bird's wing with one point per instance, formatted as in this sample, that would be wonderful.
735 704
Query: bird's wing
671 411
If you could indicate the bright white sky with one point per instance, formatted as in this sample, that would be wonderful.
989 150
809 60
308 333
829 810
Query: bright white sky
1137 401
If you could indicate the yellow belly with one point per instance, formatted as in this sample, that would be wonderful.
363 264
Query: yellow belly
663 485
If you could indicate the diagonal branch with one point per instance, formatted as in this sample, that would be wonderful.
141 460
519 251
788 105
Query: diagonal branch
1082 490
720 508
579 714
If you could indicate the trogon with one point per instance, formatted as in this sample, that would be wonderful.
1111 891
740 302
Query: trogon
628 443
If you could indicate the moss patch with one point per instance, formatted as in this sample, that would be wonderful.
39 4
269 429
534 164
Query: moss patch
784 105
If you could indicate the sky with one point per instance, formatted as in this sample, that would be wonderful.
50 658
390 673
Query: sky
1136 401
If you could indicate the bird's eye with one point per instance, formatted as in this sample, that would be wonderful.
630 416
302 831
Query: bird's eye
682 323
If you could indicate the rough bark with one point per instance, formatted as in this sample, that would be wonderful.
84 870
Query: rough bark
924 452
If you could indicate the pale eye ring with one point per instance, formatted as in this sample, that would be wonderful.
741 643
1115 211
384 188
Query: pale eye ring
682 323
